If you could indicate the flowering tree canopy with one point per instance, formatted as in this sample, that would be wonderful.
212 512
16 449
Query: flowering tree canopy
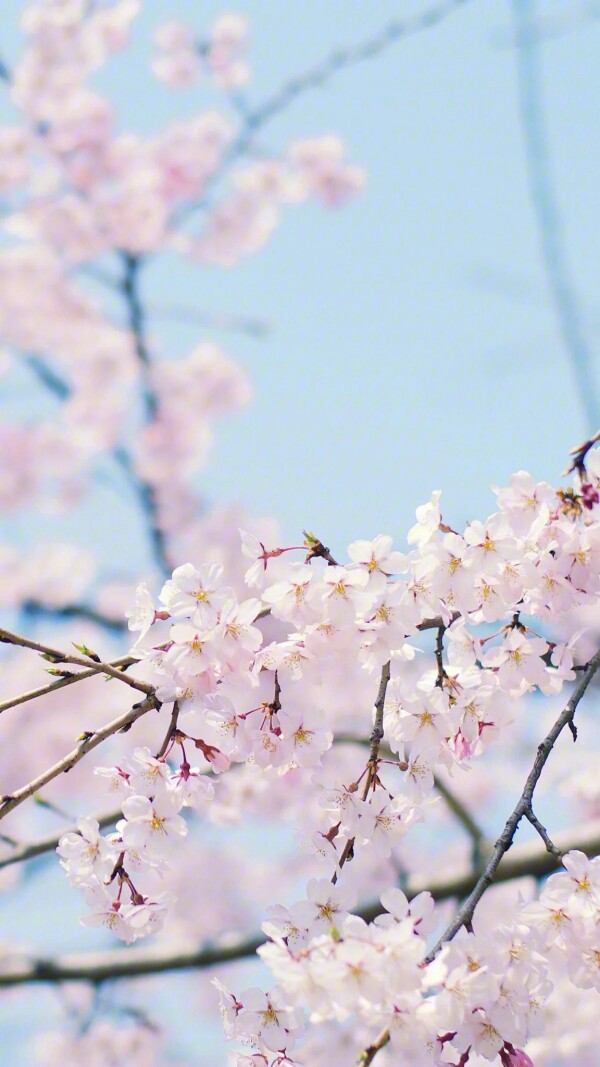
364 703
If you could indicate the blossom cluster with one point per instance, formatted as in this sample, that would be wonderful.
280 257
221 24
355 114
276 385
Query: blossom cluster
274 680
105 867
479 1001
182 56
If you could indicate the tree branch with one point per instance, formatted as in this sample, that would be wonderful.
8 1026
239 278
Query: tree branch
56 656
523 807
545 205
342 59
464 817
89 740
374 742
74 611
43 690
130 289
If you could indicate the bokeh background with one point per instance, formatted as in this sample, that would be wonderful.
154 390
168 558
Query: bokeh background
413 338
440 331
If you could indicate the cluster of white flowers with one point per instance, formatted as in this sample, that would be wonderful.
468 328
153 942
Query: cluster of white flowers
271 681
105 867
481 997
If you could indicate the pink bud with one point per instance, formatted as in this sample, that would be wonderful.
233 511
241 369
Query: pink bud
517 1058
462 747
589 495
217 759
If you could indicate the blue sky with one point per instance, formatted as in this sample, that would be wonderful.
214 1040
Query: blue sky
412 343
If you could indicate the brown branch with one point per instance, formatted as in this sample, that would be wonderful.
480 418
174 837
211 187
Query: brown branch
371 770
368 1054
89 740
541 830
437 623
377 732
579 453
54 655
528 860
464 817
439 656
170 732
523 808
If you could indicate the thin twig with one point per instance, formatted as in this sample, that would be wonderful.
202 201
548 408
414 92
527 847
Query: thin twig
537 825
254 119
171 730
56 656
528 860
89 740
375 740
439 656
60 683
377 731
545 205
524 806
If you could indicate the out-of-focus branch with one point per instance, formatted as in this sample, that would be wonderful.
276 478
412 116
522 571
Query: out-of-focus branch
464 817
253 119
84 612
46 374
52 381
32 849
130 288
530 860
89 740
214 321
550 26
547 212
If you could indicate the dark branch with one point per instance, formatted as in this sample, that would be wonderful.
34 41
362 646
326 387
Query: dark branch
523 808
